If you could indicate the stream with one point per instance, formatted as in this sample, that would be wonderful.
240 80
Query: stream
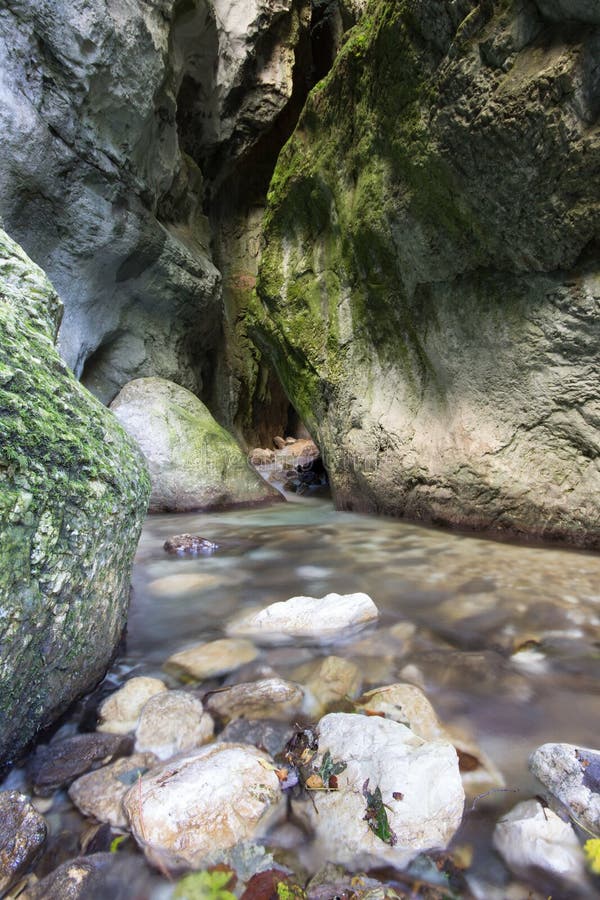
503 639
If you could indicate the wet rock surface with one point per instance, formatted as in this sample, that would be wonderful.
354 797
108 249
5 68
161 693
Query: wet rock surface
100 794
204 802
571 775
94 877
22 836
210 659
189 545
172 722
385 763
193 462
533 838
56 764
119 713
321 620
256 700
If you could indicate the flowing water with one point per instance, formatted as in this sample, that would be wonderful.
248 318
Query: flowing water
503 639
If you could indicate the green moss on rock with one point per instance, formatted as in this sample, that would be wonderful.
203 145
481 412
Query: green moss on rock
73 493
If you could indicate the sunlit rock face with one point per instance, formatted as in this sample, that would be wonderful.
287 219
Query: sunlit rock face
430 284
116 117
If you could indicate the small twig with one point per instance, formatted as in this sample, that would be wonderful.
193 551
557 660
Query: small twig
493 791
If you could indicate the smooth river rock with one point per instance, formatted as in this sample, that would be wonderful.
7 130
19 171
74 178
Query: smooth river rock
532 840
204 802
56 764
424 776
73 494
100 794
22 836
172 722
119 713
194 463
210 659
572 775
327 681
268 698
312 619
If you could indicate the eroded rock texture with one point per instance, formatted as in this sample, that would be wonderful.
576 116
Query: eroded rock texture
431 279
73 493
120 119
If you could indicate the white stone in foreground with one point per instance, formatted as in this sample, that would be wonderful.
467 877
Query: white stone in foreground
204 802
424 776
532 838
314 619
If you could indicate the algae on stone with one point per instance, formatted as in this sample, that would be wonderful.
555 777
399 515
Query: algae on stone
194 463
430 278
73 493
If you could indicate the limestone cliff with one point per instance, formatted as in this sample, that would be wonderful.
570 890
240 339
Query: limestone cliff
73 493
430 282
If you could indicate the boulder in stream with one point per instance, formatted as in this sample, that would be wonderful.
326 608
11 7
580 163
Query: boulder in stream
204 802
73 494
209 659
397 796
194 463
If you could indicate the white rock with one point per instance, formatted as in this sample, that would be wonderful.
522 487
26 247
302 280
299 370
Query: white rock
407 704
120 712
271 698
213 658
531 837
171 723
423 774
319 620
100 793
572 775
204 802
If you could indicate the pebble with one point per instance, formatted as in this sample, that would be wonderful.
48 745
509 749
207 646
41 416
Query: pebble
190 545
171 723
57 764
270 698
120 712
208 660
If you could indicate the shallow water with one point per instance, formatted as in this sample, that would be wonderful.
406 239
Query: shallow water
505 640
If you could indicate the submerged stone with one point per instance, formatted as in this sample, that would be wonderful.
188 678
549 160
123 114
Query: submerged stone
190 545
194 463
210 659
73 493
313 619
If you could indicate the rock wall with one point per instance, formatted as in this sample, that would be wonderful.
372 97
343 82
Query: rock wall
73 493
431 278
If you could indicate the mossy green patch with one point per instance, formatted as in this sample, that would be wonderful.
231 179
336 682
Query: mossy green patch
73 491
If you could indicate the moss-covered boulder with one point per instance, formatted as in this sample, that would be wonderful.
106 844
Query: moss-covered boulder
431 277
194 463
73 492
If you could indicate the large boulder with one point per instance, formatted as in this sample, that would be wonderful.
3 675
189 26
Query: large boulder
194 463
73 493
429 286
